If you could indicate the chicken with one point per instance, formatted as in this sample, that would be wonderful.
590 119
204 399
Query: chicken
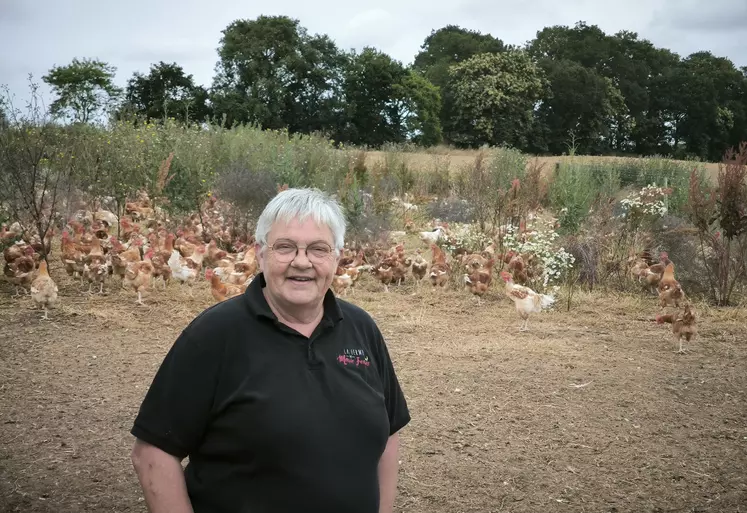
384 273
440 270
526 300
43 289
478 280
433 236
683 324
138 277
160 267
670 291
181 271
222 291
96 266
653 274
419 267
121 257
214 253
19 271
342 281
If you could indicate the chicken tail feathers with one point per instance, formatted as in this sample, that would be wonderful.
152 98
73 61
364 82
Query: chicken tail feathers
546 301
173 262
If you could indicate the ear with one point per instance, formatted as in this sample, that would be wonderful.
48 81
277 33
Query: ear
259 255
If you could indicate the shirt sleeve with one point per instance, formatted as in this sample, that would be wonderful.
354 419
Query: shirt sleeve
396 405
176 408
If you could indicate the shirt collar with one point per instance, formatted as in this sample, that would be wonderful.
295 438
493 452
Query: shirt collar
258 305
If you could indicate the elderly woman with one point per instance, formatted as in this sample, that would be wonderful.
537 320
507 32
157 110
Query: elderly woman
284 398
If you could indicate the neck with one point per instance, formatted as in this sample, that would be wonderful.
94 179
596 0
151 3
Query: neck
298 318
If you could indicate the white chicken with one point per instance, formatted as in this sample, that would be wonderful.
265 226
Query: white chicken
433 236
526 300
181 271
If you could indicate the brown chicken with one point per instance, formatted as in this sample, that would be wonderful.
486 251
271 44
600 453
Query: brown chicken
96 266
440 270
121 257
683 324
478 280
342 281
419 267
384 273
43 289
653 274
222 291
19 271
670 290
138 277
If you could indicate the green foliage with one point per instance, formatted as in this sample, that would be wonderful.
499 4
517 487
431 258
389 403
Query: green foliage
581 103
491 184
166 92
273 73
494 96
573 190
378 101
420 104
442 49
84 89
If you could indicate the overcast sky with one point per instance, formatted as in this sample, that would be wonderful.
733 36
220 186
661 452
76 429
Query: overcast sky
36 35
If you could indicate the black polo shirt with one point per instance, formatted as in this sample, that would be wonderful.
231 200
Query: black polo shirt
273 421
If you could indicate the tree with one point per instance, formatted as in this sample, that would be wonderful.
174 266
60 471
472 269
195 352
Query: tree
582 105
420 106
372 82
167 92
442 49
273 73
385 102
84 88
711 96
495 95
38 166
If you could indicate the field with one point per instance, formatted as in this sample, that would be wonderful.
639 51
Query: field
589 411
458 158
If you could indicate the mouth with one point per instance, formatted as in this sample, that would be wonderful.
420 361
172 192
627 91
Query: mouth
300 279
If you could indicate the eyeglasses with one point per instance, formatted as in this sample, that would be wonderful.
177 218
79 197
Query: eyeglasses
317 252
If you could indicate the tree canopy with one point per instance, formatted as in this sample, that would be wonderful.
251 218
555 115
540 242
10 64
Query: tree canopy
570 87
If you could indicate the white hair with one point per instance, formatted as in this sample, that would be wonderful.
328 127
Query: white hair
300 204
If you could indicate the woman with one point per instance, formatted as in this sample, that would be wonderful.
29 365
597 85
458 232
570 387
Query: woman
284 398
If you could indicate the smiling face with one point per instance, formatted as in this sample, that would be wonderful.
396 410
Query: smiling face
300 284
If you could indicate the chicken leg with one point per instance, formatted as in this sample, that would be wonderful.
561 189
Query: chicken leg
524 325
46 316
681 351
140 298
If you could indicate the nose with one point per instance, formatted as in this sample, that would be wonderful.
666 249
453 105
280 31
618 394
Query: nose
299 261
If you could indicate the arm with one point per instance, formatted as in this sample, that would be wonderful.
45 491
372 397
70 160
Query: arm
388 467
162 479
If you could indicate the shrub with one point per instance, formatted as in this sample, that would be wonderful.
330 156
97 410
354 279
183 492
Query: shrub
542 243
720 216
572 192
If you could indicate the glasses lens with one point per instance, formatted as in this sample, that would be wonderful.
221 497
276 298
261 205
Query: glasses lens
287 251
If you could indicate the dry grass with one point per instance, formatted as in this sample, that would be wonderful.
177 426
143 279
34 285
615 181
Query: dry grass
589 411
460 158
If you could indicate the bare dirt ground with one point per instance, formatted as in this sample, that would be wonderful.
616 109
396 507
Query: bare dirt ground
590 411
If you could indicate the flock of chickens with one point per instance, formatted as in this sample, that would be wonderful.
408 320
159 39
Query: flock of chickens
659 279
146 256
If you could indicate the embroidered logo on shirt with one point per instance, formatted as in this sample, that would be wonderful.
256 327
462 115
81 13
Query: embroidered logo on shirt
356 357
